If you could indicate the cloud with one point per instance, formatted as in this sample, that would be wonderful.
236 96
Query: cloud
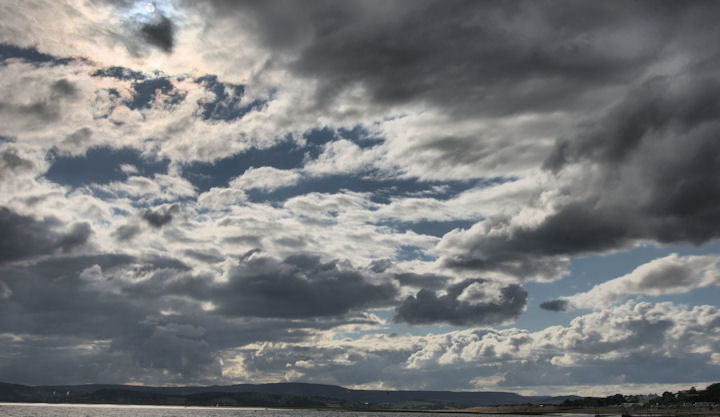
663 115
24 237
622 345
342 134
161 216
497 245
627 195
265 179
299 286
555 305
12 163
671 274
123 320
411 279
126 232
473 301
512 57
159 33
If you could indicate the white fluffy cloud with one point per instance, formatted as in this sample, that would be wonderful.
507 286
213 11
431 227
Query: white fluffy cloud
672 274
626 345
265 178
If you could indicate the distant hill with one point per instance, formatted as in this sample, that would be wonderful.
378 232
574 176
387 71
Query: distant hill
263 395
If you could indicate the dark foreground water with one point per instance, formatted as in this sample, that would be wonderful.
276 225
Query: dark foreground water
42 410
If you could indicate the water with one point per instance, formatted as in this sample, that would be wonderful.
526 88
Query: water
74 410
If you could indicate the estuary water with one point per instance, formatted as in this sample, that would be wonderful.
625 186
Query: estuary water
74 410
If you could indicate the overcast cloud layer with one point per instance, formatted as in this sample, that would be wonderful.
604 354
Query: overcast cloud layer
396 194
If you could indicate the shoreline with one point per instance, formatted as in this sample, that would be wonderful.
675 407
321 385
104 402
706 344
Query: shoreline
592 411
509 410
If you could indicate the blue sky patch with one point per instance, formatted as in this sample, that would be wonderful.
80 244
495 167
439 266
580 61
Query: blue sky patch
8 51
316 139
205 175
146 91
409 253
100 166
226 105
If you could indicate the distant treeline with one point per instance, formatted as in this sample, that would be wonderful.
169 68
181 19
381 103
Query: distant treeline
291 395
299 395
711 394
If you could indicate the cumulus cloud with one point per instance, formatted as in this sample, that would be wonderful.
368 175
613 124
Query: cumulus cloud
265 178
672 274
473 301
633 343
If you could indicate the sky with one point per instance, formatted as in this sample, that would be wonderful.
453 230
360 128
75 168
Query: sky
396 194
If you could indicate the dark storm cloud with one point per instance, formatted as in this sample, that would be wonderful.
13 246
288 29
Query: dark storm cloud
494 58
459 308
299 286
151 27
24 237
426 281
159 33
555 305
161 216
656 176
650 109
51 297
138 314
569 231
672 158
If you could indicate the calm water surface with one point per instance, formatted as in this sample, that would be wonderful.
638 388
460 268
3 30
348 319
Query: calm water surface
42 410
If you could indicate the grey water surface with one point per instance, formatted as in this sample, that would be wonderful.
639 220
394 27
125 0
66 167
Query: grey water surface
74 410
